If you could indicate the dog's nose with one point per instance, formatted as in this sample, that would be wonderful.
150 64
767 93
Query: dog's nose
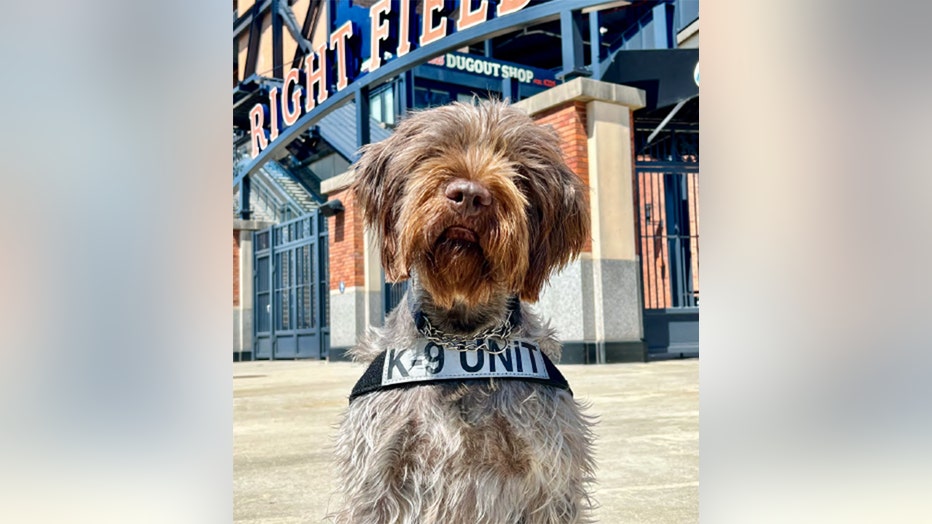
468 197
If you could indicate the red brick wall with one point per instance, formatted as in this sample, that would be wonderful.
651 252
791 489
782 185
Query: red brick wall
235 267
346 243
569 122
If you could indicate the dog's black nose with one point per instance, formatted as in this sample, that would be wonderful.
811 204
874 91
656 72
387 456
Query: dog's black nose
468 197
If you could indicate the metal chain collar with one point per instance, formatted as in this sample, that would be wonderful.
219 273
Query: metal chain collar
463 343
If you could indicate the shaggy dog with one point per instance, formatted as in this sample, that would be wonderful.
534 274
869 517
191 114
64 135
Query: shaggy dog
462 418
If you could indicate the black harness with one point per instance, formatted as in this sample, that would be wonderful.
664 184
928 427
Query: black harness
429 362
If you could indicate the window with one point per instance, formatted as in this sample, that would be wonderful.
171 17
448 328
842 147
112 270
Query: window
424 97
382 105
466 98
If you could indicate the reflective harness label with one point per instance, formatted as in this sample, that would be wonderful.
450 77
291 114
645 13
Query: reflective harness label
428 361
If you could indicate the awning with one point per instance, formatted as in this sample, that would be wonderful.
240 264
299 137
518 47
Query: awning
668 76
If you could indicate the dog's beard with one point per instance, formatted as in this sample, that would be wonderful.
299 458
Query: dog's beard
458 247
467 264
457 267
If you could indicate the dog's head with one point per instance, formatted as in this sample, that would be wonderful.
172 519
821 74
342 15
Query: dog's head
477 200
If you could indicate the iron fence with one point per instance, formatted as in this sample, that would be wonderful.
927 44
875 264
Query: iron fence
667 195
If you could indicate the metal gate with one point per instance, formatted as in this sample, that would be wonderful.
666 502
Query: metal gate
667 196
291 290
393 294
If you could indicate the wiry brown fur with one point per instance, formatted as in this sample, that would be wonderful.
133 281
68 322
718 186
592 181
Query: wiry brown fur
489 451
538 221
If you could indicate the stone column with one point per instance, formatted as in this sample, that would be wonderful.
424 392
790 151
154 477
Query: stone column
595 303
355 271
243 286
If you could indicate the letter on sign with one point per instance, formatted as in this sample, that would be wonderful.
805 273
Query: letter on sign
429 32
290 112
472 18
256 133
316 77
404 27
510 6
273 117
379 31
338 42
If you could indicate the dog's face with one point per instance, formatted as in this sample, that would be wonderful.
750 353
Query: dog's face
477 200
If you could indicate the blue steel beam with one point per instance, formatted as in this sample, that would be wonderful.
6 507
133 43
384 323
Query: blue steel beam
572 46
493 28
310 20
405 94
595 46
510 89
245 21
255 30
663 26
291 22
244 210
278 59
363 133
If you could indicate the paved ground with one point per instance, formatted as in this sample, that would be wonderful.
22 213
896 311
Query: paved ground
284 417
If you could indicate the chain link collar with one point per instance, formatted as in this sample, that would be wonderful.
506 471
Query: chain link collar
502 332
476 342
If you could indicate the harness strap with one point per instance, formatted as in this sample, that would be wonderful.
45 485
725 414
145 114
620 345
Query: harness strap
378 376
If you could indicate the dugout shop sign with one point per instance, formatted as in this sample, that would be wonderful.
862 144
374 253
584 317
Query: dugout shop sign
394 30
495 69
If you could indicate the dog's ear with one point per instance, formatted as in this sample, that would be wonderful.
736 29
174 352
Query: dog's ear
376 190
559 222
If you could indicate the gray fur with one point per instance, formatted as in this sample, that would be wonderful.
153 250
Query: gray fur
483 451
497 452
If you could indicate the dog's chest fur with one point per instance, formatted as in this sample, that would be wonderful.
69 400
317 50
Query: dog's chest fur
480 203
481 451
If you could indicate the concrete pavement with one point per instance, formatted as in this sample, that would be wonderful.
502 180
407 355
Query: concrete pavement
647 448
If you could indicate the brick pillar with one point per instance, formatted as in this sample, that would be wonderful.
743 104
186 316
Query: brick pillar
595 302
355 271
569 121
